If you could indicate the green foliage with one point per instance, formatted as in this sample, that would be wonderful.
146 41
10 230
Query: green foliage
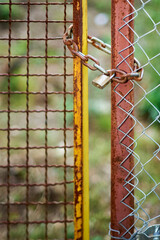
97 238
70 233
101 122
17 232
16 11
38 232
147 111
151 78
101 5
4 12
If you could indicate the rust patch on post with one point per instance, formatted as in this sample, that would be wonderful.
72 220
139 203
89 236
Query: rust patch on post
78 174
120 9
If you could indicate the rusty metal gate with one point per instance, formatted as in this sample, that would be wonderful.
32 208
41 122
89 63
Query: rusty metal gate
44 186
37 135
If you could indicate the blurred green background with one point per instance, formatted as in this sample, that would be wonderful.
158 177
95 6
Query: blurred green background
99 106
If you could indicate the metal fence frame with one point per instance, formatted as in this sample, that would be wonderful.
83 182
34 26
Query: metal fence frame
122 129
80 96
130 215
81 123
119 141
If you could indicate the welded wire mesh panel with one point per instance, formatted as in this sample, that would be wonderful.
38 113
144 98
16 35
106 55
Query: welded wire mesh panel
143 181
36 121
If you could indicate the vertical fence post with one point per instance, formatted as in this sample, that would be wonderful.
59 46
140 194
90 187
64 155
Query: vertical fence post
81 177
122 123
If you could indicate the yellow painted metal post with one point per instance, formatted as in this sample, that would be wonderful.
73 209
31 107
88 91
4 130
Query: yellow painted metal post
85 128
81 177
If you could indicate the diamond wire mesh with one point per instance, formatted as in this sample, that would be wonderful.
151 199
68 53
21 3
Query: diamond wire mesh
36 121
144 177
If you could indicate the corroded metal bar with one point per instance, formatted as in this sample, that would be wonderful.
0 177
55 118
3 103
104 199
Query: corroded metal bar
81 199
122 122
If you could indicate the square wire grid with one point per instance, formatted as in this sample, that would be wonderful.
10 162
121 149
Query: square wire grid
36 126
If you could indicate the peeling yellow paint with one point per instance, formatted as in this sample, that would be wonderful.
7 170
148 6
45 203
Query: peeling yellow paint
81 178
78 149
85 127
78 5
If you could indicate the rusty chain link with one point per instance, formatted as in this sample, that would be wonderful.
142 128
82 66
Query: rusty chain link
118 76
96 42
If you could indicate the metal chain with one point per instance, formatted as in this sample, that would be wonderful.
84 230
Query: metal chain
96 42
122 77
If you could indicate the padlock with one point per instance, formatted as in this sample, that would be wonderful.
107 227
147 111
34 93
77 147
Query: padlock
102 81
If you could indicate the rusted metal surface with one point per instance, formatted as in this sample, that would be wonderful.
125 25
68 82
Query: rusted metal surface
20 157
122 77
81 193
120 8
78 175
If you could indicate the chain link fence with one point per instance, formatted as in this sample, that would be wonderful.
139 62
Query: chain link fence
143 181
